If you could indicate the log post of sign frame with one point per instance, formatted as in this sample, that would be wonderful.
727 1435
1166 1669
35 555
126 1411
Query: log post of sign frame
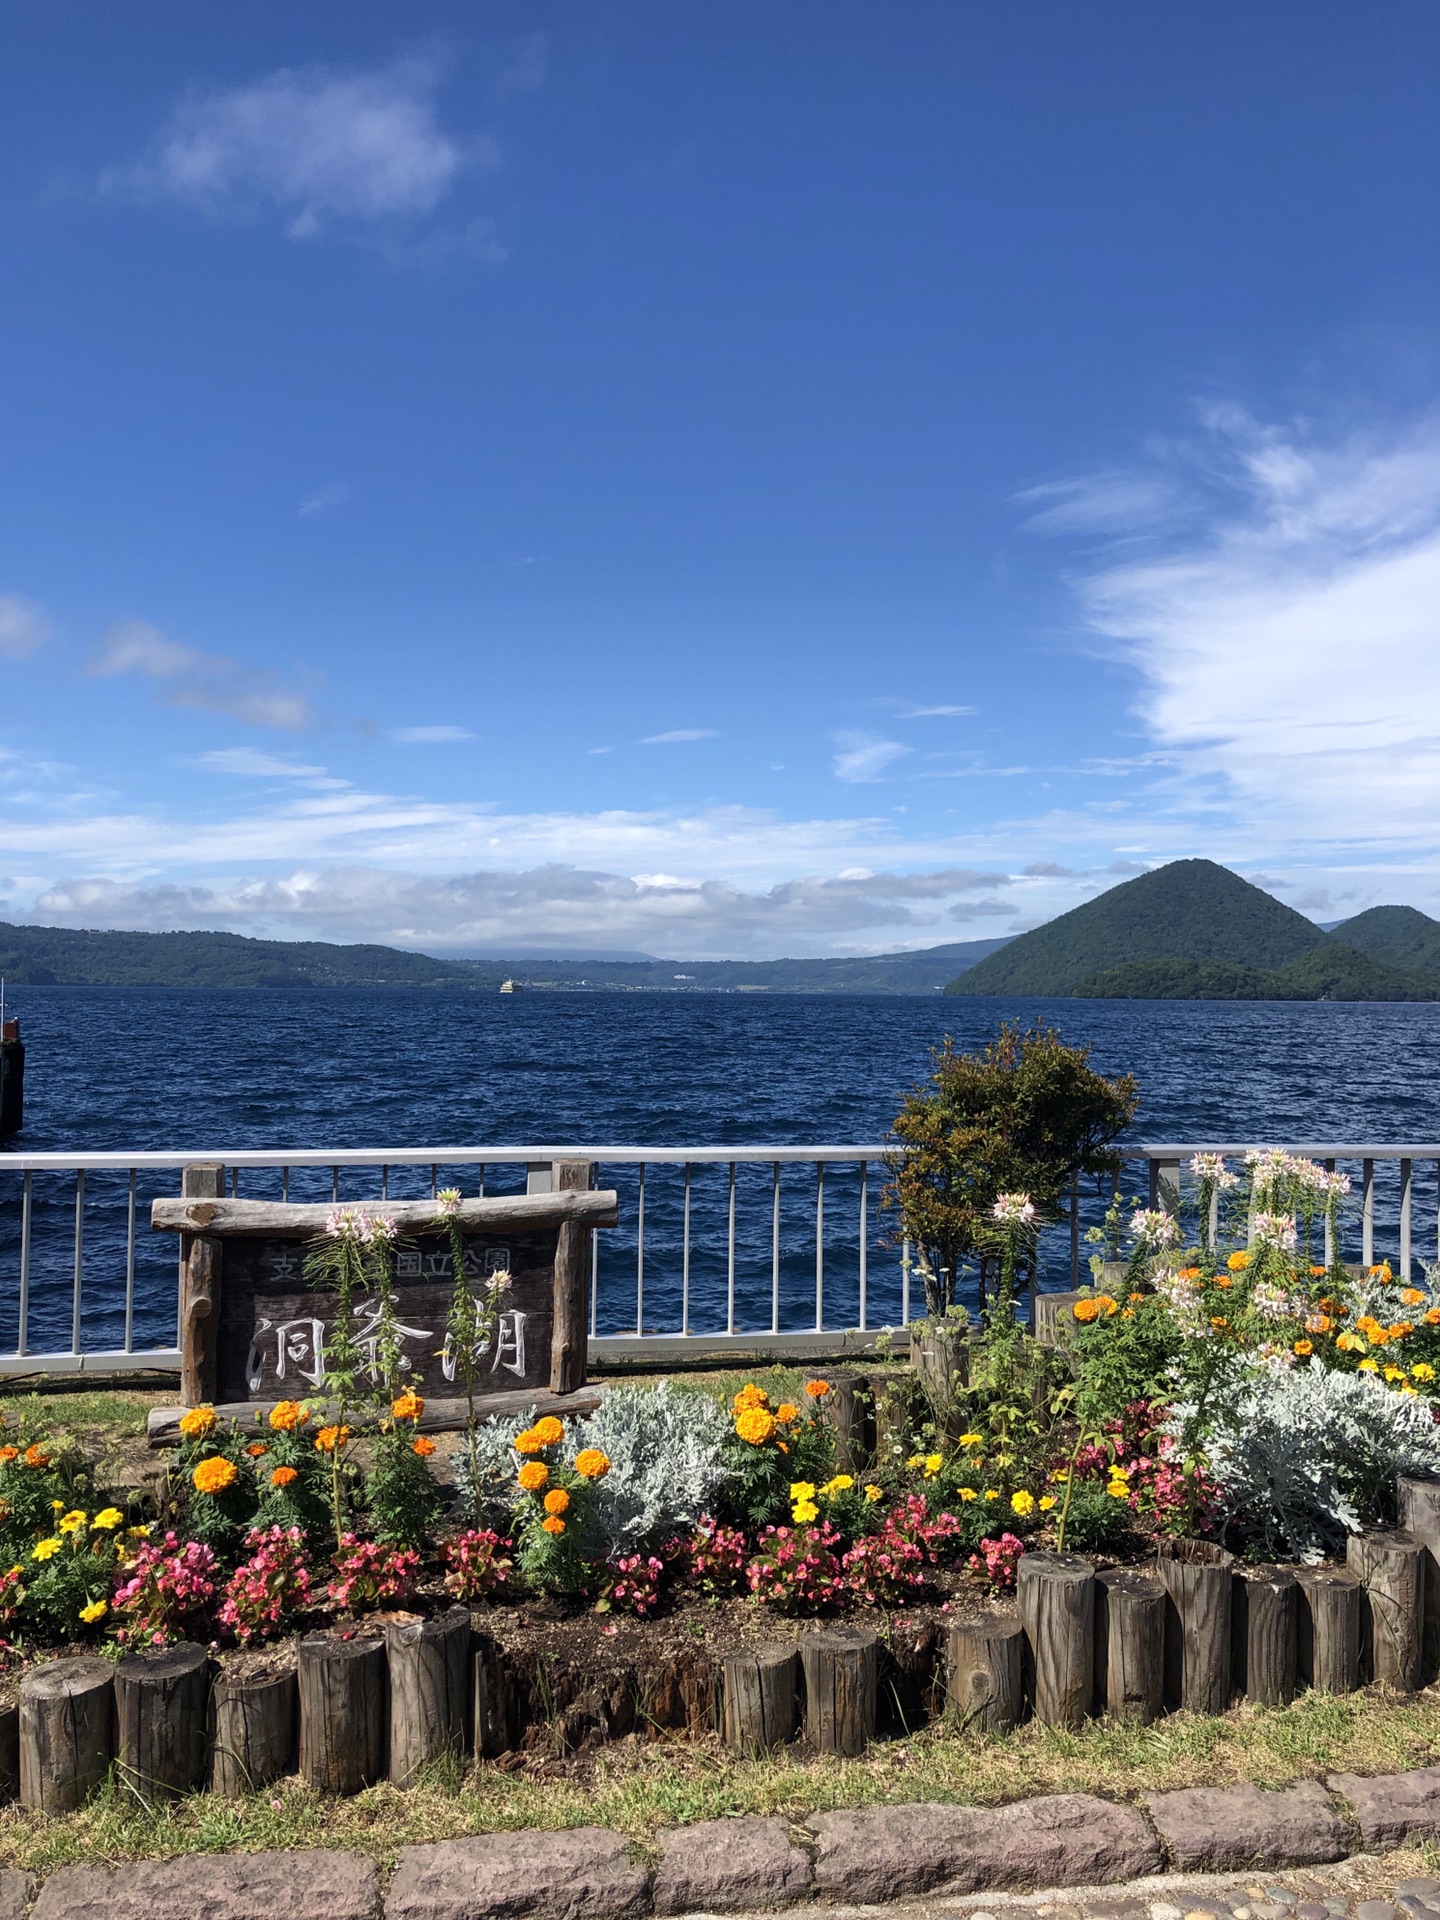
252 1329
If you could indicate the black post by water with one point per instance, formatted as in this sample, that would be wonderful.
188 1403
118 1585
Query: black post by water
12 1078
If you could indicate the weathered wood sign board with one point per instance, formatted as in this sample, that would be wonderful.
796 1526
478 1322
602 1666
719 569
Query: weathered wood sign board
253 1330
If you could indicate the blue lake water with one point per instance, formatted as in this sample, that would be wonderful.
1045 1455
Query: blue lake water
205 1071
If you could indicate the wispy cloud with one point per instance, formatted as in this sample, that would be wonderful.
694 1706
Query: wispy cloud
324 500
24 626
934 713
209 681
1288 638
319 147
864 757
1104 503
429 736
678 736
246 763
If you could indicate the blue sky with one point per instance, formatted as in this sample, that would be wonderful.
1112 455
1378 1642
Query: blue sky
784 478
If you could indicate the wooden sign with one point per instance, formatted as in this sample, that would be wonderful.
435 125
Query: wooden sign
254 1330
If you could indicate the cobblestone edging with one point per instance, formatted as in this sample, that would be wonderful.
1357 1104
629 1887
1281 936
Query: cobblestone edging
869 1856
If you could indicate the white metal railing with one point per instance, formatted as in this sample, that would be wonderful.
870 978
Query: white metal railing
708 1234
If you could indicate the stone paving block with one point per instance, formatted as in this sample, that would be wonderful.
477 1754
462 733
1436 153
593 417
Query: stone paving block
724 1866
1225 1829
1062 1839
229 1886
581 1874
1392 1806
15 1891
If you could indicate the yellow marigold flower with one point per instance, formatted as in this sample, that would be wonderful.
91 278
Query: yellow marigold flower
1219 1322
1085 1311
328 1439
423 1447
1238 1262
108 1519
73 1521
1118 1490
553 1525
1127 1313
46 1549
992 1493
873 1493
755 1426
57 1506
1022 1503
141 1532
1106 1304
1422 1370
1304 1348
1382 1272
804 1510
802 1490
282 1476
972 1440
968 1493
556 1500
592 1464
750 1396
549 1431
841 1483
528 1442
1369 1366
1047 1501
1350 1342
1412 1296
933 1463
96 1610
407 1406
1393 1374
787 1413
533 1475
286 1415
197 1422
1408 1391
817 1389
215 1475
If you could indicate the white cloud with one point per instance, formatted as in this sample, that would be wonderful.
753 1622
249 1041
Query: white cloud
246 764
1289 644
1106 503
429 736
209 681
678 736
934 713
315 145
324 499
23 626
865 756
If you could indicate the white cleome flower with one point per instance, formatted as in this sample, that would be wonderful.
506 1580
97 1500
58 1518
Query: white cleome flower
1154 1228
1014 1209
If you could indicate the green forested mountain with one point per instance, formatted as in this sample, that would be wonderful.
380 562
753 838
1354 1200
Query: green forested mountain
1191 910
1400 936
1331 972
62 956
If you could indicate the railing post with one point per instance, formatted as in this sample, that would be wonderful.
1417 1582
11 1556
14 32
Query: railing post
905 1283
27 1196
730 1260
775 1250
79 1259
1405 1170
1367 1213
685 1260
1329 1230
864 1239
130 1266
640 1256
1074 1234
819 1246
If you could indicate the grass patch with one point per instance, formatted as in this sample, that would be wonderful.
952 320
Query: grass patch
636 1788
119 1411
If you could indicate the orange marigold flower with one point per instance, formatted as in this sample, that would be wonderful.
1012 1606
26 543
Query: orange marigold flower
282 1476
1219 1322
786 1412
1399 1328
1135 1298
36 1457
1412 1296
817 1389
556 1500
423 1447
1225 1280
215 1475
197 1422
1188 1273
1304 1348
553 1525
256 1448
549 1431
7 1454
528 1442
750 1396
286 1415
592 1464
1107 1305
407 1406
755 1425
1086 1310
1432 1318
329 1438
1317 1273
533 1475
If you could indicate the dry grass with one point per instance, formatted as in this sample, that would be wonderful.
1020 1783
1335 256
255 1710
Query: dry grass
637 1788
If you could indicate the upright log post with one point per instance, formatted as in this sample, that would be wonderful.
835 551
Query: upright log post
429 1675
1197 1577
760 1698
985 1671
252 1731
1129 1645
848 1410
1056 1595
573 1280
1391 1569
940 1355
200 1277
343 1697
160 1699
841 1667
1265 1603
9 1752
1419 1504
67 1732
1328 1641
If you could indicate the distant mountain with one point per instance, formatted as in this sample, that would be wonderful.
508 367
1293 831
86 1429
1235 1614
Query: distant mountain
1400 936
1189 910
1193 930
63 956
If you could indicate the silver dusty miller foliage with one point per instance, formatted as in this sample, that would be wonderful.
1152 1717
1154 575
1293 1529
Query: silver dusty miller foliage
664 1446
1303 1456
